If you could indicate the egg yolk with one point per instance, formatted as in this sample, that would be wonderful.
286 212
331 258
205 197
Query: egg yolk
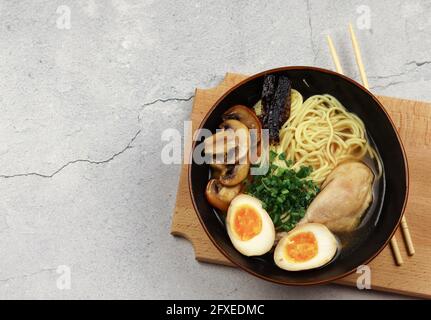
247 223
302 247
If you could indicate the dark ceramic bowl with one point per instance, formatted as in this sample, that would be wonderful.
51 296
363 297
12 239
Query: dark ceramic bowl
389 204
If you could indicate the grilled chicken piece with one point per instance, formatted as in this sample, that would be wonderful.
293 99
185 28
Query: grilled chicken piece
346 194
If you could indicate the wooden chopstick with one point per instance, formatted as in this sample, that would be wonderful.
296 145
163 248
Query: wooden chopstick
404 227
407 237
358 57
334 55
396 251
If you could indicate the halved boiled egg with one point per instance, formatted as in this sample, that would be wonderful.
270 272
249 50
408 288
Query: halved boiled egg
307 246
249 226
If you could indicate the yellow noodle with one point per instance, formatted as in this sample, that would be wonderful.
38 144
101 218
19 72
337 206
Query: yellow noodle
321 133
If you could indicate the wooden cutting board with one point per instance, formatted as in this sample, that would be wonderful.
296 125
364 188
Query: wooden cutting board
413 122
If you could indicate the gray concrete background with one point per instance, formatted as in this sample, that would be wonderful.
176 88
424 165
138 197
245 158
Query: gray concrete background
82 111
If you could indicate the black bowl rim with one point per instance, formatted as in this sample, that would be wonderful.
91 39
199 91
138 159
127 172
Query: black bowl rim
252 77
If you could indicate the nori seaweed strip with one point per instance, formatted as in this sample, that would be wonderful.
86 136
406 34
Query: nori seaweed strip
268 90
281 102
275 104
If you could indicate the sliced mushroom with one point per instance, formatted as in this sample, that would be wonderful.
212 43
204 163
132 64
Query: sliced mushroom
218 166
246 116
220 143
234 174
218 169
255 153
241 138
220 196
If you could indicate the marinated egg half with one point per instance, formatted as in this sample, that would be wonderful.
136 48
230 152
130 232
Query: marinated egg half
249 226
307 246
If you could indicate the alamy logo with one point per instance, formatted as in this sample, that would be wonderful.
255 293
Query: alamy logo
64 20
64 281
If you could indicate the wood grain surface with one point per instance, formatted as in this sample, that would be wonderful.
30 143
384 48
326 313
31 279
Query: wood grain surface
413 122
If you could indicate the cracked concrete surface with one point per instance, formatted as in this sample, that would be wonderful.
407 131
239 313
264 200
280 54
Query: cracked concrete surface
167 100
27 174
83 109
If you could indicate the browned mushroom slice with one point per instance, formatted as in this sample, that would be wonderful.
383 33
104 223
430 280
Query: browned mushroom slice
220 196
235 174
255 154
246 116
218 166
241 138
218 169
220 143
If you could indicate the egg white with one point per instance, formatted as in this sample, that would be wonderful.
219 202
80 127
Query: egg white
260 243
327 246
